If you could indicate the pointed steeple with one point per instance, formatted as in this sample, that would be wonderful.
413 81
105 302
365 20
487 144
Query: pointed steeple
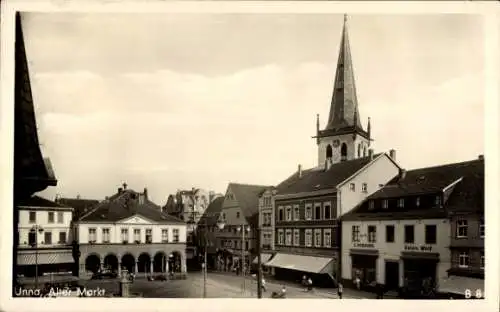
344 112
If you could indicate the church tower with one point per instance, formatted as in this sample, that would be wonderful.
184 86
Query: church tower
343 137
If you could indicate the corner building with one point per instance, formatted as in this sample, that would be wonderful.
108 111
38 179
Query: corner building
399 237
310 202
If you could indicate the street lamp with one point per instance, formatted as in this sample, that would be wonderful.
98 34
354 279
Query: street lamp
243 229
35 230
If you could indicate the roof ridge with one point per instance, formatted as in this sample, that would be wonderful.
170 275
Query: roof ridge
446 165
100 204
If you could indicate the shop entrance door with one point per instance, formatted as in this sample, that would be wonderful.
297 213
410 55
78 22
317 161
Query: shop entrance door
391 275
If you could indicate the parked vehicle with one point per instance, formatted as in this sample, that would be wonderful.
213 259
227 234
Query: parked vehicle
104 274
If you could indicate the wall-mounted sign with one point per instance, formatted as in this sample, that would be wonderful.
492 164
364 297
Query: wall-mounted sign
418 248
364 245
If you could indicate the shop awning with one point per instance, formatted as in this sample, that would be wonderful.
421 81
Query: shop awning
458 284
302 263
415 255
44 258
363 252
264 257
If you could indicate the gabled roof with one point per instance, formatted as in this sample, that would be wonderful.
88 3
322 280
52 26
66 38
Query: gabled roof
40 202
126 204
80 206
247 196
430 180
463 183
211 214
316 179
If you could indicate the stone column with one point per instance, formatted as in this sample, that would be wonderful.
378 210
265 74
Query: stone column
151 267
102 265
136 267
119 269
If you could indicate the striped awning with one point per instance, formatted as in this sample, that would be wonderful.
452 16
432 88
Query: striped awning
45 257
264 257
309 264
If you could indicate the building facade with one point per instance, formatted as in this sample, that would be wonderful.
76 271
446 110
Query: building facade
128 231
239 213
189 206
399 237
45 238
266 224
207 233
309 203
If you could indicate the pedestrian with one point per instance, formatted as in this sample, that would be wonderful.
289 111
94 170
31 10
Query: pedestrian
309 284
340 289
264 285
357 282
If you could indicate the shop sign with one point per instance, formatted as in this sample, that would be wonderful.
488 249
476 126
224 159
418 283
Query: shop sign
418 248
364 245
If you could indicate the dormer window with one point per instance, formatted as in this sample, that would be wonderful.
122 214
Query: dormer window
352 187
385 204
417 201
401 202
371 205
437 201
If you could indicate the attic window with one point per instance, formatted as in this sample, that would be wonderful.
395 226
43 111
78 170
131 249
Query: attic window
317 185
417 201
385 204
103 216
421 178
164 218
401 202
371 205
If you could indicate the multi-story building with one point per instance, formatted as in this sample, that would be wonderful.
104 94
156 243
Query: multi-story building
206 232
240 215
45 237
399 237
266 224
308 204
189 206
467 236
129 231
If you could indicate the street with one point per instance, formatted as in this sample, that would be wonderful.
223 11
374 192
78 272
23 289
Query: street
219 285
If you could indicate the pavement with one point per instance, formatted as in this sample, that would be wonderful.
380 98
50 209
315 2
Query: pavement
218 285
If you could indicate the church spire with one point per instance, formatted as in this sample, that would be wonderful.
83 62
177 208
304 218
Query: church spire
344 112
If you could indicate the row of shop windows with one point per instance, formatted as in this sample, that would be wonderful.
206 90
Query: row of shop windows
409 234
137 235
292 237
322 211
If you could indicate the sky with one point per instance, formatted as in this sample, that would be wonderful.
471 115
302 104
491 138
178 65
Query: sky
175 101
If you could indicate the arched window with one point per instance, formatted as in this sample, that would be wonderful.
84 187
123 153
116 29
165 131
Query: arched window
364 152
343 152
359 150
329 152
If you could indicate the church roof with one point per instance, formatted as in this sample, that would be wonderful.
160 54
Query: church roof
32 172
344 113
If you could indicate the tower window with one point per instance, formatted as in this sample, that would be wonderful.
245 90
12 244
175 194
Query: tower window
343 152
329 152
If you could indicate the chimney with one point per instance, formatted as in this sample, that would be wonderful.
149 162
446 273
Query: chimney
300 171
480 157
145 193
392 153
124 185
402 174
120 190
370 153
